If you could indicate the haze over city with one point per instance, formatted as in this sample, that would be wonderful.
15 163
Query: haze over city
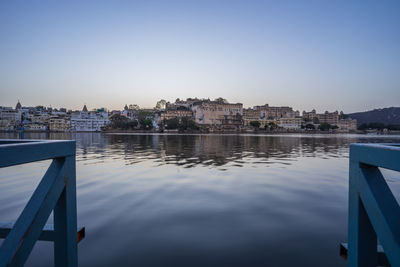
314 54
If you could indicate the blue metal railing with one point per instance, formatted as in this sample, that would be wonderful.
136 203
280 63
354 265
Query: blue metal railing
55 192
374 213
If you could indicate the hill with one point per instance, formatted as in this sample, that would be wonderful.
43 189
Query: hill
384 115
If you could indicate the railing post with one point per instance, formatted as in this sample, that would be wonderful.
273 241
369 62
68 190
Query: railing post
65 220
361 235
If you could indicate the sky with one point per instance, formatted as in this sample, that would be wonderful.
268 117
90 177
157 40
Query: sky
323 55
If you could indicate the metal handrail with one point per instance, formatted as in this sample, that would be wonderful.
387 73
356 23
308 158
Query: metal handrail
56 192
374 213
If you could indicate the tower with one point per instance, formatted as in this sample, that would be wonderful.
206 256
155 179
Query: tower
18 106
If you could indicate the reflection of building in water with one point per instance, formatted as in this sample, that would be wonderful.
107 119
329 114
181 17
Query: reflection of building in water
194 150
94 144
217 150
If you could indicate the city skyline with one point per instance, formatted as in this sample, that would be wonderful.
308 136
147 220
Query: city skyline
94 108
314 54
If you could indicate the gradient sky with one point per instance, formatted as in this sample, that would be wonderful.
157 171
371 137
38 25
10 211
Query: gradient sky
327 55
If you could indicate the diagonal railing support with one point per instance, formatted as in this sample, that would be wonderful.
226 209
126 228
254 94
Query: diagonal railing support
56 191
373 210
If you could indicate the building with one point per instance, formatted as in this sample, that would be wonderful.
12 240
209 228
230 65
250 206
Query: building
175 111
218 115
347 124
250 115
39 117
85 121
59 124
331 118
131 114
10 119
266 114
276 112
170 114
290 123
35 127
309 116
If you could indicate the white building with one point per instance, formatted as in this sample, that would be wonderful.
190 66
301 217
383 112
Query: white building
60 124
347 124
216 113
10 118
290 123
35 127
85 121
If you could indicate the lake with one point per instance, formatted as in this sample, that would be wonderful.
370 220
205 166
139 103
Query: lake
201 200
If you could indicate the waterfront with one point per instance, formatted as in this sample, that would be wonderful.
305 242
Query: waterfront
202 200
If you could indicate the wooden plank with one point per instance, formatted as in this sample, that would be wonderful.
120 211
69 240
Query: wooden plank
385 156
47 233
19 153
28 227
382 259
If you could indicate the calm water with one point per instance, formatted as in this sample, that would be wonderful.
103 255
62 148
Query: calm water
201 200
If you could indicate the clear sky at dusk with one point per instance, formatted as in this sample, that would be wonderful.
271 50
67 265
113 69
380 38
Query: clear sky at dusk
326 55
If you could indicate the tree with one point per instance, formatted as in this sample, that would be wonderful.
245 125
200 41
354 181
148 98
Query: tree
161 104
171 123
145 119
221 100
315 120
272 125
324 126
255 124
121 122
394 127
363 126
117 118
372 125
146 123
187 124
376 125
134 107
310 126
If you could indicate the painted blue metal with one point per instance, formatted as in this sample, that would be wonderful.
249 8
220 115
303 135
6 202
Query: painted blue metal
46 235
373 210
30 151
56 191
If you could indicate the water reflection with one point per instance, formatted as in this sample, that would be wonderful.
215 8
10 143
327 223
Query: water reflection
162 200
206 150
